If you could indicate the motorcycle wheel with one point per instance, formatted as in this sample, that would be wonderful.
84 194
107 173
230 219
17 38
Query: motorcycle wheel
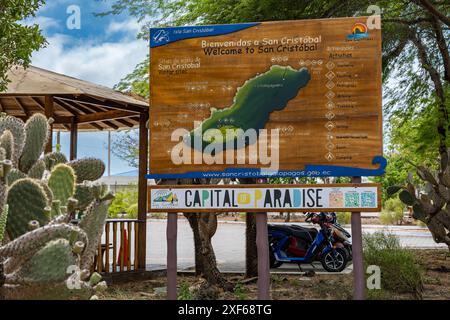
272 260
334 262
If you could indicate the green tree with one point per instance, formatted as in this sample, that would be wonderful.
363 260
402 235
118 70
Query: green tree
17 41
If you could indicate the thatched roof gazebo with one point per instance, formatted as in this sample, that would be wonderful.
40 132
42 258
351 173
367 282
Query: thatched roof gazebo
80 105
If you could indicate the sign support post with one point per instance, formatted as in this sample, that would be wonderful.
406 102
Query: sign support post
357 250
262 246
172 227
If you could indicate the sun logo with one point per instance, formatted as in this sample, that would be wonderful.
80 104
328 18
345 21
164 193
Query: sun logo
359 31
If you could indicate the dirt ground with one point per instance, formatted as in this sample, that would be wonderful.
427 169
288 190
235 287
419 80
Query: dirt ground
435 263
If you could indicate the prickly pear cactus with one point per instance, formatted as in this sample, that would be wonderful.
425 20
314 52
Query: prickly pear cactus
90 169
44 254
432 204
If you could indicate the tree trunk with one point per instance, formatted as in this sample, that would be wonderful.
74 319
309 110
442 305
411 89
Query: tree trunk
207 226
193 222
251 253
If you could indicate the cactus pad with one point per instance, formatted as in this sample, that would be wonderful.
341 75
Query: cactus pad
16 127
37 170
14 175
26 200
84 195
7 143
36 133
49 264
54 158
62 183
90 169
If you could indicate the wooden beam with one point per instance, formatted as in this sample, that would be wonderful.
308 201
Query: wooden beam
49 113
62 119
76 108
21 106
111 125
58 119
142 189
73 138
106 115
1 106
106 104
69 107
39 103
125 123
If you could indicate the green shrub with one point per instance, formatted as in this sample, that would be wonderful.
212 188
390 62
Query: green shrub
400 272
392 212
184 293
390 217
344 217
125 202
132 211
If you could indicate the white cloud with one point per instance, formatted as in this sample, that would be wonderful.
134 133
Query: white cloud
127 26
45 23
102 63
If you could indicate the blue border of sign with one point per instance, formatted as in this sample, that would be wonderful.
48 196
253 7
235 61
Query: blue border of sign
309 171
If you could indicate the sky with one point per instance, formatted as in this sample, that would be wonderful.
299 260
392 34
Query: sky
102 50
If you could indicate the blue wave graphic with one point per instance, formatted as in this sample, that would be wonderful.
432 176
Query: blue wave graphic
309 171
163 36
356 36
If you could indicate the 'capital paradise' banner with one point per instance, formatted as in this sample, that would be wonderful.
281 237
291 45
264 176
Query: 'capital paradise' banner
243 198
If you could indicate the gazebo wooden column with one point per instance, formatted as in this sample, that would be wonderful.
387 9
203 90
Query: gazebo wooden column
142 189
73 138
49 112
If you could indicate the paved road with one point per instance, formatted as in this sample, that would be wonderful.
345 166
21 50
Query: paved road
229 244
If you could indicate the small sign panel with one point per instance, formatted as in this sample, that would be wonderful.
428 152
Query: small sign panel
273 198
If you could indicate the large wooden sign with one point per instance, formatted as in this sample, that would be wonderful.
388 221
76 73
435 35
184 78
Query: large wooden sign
300 98
244 198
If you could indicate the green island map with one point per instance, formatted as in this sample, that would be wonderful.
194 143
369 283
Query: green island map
254 101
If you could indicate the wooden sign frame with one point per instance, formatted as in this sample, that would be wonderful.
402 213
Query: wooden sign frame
331 127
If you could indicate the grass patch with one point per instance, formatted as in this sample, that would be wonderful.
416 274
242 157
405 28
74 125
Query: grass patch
240 292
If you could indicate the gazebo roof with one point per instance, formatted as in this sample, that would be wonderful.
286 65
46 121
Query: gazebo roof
94 107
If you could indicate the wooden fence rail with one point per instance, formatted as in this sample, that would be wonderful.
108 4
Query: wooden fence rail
118 248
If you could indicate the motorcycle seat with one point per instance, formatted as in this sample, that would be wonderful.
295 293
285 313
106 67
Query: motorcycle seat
306 234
